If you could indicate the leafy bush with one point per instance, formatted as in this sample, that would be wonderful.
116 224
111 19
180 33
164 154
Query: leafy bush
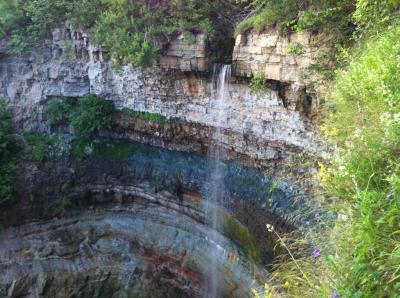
134 31
327 62
41 146
59 111
87 116
366 173
37 148
85 13
296 49
333 16
257 83
153 117
376 15
39 17
8 154
11 16
91 115
289 15
282 13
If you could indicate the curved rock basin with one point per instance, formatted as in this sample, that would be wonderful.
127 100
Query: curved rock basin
135 163
141 248
138 229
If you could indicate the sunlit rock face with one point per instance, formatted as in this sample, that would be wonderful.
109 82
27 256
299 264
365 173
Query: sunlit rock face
186 55
264 126
283 58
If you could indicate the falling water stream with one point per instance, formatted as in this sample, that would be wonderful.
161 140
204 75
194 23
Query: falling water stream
218 108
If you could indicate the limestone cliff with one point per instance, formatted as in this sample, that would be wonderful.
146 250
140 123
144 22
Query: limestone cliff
129 225
263 127
283 58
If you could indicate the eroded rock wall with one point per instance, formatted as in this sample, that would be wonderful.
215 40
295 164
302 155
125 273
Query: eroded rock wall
140 249
279 57
264 126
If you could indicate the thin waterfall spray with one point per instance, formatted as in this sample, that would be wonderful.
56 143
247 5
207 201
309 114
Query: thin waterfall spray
218 107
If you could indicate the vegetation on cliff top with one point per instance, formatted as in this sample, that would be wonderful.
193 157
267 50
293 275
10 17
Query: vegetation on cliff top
344 21
133 31
341 17
359 254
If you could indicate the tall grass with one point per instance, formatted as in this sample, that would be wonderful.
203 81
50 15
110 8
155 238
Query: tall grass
359 252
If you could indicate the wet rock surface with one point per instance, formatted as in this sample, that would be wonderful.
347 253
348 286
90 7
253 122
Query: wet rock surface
115 226
159 169
141 248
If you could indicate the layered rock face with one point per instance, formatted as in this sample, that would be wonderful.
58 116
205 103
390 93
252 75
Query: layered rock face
265 126
140 249
137 225
280 58
160 169
186 54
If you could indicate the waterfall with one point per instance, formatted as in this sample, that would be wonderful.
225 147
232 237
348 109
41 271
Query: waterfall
218 108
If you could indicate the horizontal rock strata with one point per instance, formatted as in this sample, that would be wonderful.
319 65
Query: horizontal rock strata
257 123
283 58
119 251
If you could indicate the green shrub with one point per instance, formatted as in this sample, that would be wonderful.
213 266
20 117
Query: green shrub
282 13
11 16
87 116
365 124
91 115
153 117
8 154
289 15
376 15
258 82
327 62
132 30
59 111
114 29
296 49
333 16
40 16
85 13
37 148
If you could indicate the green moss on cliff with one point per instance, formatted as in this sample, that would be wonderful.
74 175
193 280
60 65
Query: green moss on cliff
9 151
242 237
153 117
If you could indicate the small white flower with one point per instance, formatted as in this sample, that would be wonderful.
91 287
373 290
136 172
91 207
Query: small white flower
270 228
